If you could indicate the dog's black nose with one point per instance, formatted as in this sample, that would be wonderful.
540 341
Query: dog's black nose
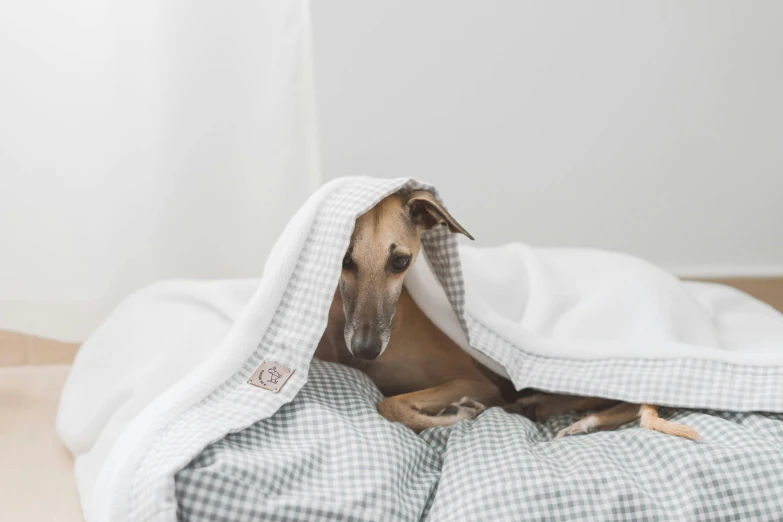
366 345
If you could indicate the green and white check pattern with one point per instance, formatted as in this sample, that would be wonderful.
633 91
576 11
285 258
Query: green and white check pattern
318 450
328 455
290 339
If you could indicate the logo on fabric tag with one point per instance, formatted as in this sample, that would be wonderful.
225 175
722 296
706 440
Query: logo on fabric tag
270 376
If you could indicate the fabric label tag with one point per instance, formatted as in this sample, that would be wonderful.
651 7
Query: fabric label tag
270 376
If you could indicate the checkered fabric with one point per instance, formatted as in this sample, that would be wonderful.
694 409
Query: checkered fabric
328 455
504 467
291 339
695 383
320 451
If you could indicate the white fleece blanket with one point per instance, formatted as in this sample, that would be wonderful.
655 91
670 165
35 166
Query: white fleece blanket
167 373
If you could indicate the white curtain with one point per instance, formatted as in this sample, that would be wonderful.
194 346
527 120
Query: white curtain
145 140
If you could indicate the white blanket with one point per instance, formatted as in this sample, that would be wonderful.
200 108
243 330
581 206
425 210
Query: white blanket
167 373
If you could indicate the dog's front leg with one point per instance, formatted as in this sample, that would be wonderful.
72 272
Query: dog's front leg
441 405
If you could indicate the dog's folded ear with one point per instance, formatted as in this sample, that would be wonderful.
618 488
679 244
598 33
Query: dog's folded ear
424 209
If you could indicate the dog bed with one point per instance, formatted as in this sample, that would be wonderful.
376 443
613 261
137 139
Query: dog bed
169 417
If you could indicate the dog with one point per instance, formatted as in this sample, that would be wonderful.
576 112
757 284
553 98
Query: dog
428 380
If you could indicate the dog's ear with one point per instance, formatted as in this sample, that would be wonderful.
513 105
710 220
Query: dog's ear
424 209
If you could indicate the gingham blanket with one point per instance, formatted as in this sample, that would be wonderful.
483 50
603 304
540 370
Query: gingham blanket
188 437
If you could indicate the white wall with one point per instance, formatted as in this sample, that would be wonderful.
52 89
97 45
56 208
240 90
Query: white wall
141 141
654 128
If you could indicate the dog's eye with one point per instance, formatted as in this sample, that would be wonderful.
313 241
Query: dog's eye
348 263
400 263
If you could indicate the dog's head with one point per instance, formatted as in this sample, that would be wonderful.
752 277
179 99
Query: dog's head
384 244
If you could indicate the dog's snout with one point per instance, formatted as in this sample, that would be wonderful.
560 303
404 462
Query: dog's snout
366 344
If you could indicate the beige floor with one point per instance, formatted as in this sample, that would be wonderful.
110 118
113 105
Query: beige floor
36 471
769 290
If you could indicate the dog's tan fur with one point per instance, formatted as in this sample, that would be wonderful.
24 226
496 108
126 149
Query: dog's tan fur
428 379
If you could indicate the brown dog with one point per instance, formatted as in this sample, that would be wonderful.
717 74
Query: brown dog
375 326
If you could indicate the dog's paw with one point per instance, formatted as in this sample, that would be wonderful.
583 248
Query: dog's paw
581 427
464 409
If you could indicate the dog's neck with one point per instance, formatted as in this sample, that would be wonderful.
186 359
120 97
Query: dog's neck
419 355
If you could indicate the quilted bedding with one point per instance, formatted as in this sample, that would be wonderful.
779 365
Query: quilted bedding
328 455
169 417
